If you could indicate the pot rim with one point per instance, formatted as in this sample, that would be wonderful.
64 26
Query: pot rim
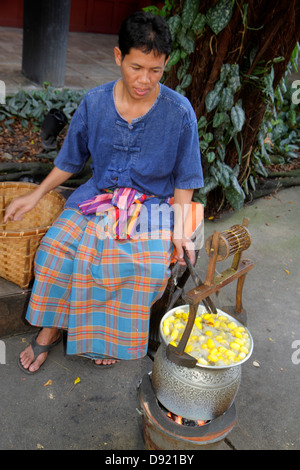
202 309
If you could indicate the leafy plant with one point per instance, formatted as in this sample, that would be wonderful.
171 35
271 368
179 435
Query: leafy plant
226 116
164 11
226 123
278 140
221 124
34 105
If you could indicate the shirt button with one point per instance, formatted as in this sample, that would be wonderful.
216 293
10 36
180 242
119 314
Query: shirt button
130 127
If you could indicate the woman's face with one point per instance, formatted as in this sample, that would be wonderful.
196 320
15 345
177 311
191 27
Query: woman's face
140 72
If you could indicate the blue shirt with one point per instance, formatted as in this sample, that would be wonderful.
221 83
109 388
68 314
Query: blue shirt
155 154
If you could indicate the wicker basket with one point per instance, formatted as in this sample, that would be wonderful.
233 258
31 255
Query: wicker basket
20 239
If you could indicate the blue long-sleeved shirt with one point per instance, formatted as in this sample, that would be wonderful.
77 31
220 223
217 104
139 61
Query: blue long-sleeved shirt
154 154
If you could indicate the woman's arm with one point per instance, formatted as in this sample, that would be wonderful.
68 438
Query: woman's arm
182 200
23 204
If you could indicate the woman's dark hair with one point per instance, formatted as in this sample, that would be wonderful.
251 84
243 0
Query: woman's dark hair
146 32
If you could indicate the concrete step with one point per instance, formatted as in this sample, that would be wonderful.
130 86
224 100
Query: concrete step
13 306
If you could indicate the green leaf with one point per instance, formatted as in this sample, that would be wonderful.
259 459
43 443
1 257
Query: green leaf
226 100
180 90
212 100
181 71
219 15
199 23
224 175
25 111
225 71
215 172
292 155
259 167
38 111
252 182
233 77
187 80
238 147
235 194
219 86
210 183
221 152
203 145
234 83
208 137
186 40
202 122
245 187
198 197
210 156
189 12
237 115
174 23
264 153
174 58
218 119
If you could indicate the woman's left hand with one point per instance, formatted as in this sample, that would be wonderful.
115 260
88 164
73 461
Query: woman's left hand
179 244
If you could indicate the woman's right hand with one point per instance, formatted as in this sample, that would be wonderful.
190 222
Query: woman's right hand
18 207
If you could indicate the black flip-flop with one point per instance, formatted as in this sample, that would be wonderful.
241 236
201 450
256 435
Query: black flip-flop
37 350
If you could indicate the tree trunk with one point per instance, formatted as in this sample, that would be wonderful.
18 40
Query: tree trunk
271 29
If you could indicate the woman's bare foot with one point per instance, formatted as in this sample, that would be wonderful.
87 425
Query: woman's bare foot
46 337
105 362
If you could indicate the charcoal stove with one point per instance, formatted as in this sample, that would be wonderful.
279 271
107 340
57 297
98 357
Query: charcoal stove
184 406
162 431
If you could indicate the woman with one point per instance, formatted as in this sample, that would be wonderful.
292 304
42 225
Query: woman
106 260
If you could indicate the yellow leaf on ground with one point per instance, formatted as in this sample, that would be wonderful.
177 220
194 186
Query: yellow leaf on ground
48 383
77 381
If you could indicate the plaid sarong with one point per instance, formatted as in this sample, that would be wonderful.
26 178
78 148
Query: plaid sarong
100 290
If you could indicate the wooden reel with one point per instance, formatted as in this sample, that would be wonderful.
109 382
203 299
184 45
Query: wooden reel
231 241
219 247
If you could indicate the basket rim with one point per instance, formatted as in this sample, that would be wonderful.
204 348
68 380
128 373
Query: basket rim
23 233
40 230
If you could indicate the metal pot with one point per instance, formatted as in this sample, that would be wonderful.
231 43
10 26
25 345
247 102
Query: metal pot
197 393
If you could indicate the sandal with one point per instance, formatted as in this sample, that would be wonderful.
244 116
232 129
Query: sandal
37 350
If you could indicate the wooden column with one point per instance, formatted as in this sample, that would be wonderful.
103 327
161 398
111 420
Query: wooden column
45 40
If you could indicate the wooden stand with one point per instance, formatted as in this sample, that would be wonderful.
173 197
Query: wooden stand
219 247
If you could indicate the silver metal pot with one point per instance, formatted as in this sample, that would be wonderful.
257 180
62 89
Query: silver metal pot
198 393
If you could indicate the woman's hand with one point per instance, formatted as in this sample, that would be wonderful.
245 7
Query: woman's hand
18 207
188 245
182 200
26 203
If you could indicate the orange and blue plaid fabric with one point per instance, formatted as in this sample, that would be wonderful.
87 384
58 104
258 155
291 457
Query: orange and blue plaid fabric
100 290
